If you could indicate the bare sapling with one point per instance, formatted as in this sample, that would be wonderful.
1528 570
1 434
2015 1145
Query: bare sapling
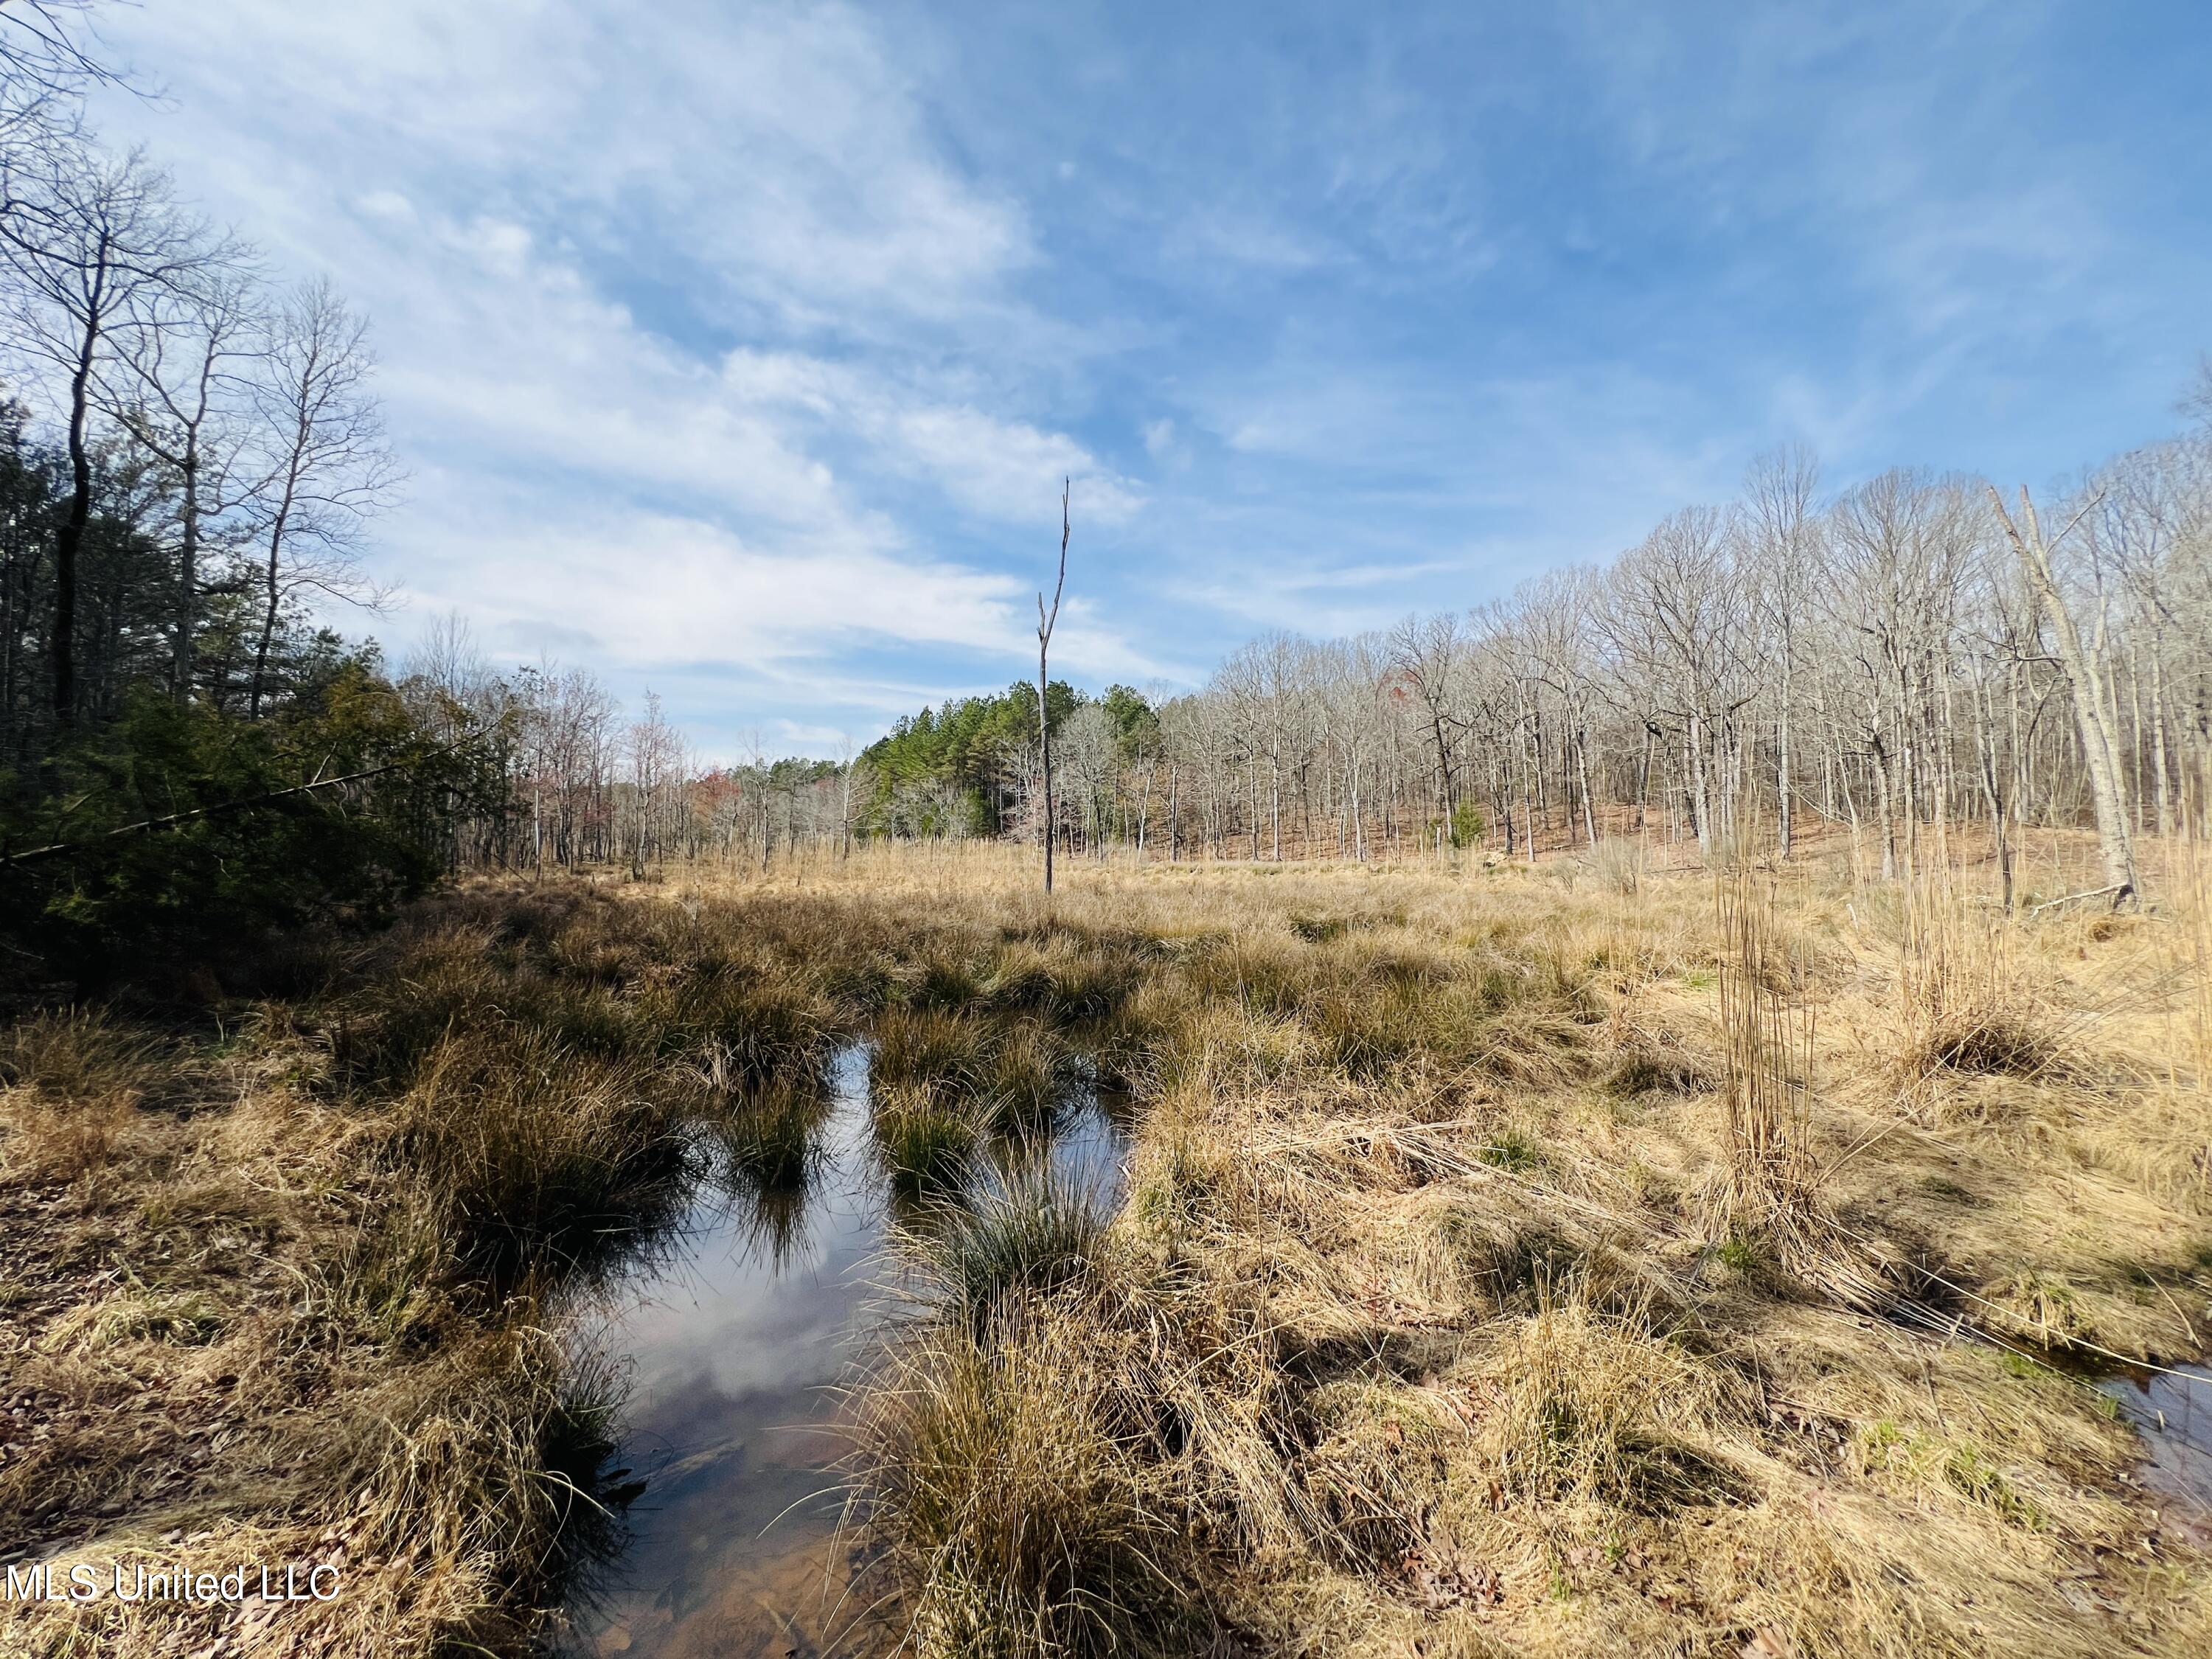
1046 619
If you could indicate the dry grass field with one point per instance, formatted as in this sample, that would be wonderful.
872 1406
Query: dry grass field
1574 1261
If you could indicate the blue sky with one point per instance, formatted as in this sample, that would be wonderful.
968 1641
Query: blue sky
736 351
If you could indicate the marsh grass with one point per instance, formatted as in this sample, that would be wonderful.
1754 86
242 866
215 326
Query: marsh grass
1018 1520
1592 1410
1402 1329
1966 990
543 1161
78 1075
1522 1265
1770 1187
926 1148
1033 1233
1618 865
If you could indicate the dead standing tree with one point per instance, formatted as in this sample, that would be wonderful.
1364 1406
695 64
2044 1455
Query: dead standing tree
2083 661
1046 622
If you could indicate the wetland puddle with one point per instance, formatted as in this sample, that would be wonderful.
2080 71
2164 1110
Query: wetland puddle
2172 1410
733 1332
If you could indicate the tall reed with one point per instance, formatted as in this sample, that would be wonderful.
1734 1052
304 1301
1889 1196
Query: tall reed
1772 1186
1766 1034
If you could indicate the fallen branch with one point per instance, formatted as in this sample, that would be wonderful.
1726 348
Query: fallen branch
29 854
2120 890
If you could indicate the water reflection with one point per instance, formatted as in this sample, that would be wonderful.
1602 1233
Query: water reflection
733 1331
2172 1410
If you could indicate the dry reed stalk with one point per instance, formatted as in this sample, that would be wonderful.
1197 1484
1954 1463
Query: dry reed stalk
2195 889
2191 886
1768 1049
1772 1187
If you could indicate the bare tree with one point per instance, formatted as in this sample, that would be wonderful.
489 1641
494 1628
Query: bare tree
1676 612
326 469
86 243
45 70
1046 619
1429 655
848 771
1780 518
179 394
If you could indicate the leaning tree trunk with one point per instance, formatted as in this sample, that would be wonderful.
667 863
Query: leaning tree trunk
2085 677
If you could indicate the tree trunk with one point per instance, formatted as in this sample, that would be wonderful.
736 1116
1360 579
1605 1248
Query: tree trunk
2085 675
276 529
1044 755
2158 757
69 539
1782 826
188 550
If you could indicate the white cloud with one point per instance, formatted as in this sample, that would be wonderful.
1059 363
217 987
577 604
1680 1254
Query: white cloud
656 588
385 205
501 186
1001 469
1162 444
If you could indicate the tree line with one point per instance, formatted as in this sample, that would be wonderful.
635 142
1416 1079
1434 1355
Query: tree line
1891 661
1910 651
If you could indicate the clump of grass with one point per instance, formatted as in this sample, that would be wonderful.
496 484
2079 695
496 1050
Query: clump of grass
1035 1234
1964 991
926 1146
1991 1042
767 1143
1020 976
79 1054
1091 984
1652 1068
928 1049
542 1160
1399 1012
765 1025
1023 1076
1512 1149
1592 1411
1771 1185
1372 1477
1617 865
944 979
80 1074
188 1318
1971 1474
480 1472
767 1138
1178 1188
1014 1515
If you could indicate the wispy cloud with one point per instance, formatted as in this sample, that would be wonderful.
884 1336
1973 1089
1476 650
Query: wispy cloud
742 348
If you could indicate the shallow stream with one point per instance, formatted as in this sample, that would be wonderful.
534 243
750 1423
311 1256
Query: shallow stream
735 1332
